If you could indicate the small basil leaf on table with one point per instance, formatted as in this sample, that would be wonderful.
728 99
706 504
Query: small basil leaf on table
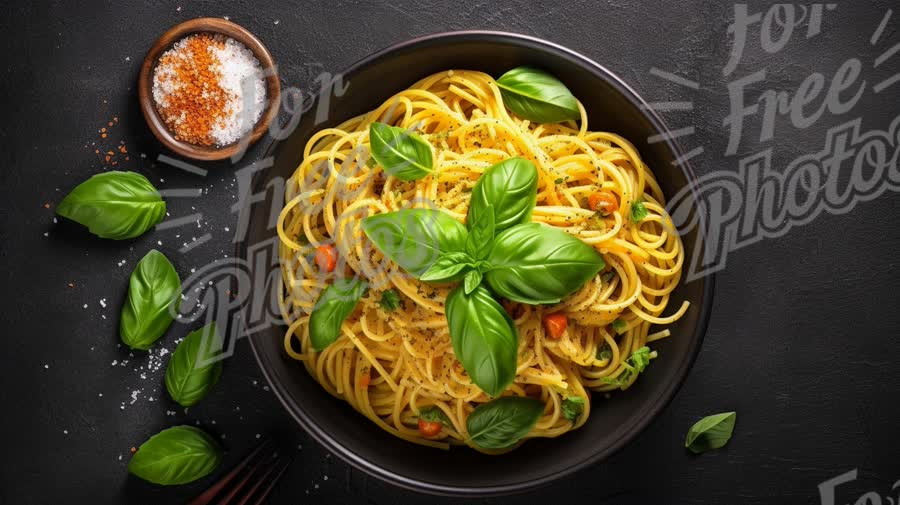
511 187
434 415
503 422
177 455
415 238
114 205
481 234
471 281
193 369
400 152
447 266
537 96
537 264
335 303
153 287
711 432
573 407
484 338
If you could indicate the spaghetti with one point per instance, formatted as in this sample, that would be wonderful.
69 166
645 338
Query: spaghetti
391 364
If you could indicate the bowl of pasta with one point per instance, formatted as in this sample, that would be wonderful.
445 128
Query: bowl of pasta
475 266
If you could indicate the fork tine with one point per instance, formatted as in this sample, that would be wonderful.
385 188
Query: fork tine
278 469
262 466
215 489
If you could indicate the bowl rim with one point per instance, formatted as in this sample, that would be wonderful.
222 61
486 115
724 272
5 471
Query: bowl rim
208 25
650 413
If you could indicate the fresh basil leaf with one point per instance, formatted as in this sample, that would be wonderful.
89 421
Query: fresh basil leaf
481 234
484 338
176 455
511 187
711 432
414 238
537 96
390 300
471 281
503 422
400 152
153 287
115 205
619 326
639 211
191 373
536 264
335 303
434 415
447 266
573 407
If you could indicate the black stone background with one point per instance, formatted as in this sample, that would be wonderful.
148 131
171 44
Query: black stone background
802 342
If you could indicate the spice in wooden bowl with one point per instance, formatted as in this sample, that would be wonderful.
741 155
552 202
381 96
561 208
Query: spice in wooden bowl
209 89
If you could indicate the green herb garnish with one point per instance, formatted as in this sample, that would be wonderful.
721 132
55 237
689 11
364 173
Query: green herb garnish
638 211
434 415
573 407
390 300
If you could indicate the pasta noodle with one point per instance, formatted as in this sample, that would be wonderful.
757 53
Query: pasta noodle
390 364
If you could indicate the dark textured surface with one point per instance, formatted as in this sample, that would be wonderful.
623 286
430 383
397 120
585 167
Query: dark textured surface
804 327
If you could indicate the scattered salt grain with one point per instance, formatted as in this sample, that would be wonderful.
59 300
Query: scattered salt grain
46 366
258 435
115 362
65 432
103 302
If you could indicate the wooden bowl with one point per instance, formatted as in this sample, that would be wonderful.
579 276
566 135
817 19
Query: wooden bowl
208 25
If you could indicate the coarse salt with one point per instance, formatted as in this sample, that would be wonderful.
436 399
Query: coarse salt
216 104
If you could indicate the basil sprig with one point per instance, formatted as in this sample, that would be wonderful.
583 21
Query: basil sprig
415 238
190 374
522 261
510 186
711 432
400 152
335 303
481 234
177 455
503 422
484 338
447 266
115 205
153 287
535 263
537 96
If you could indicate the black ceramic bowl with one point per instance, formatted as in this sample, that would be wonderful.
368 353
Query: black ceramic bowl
611 106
